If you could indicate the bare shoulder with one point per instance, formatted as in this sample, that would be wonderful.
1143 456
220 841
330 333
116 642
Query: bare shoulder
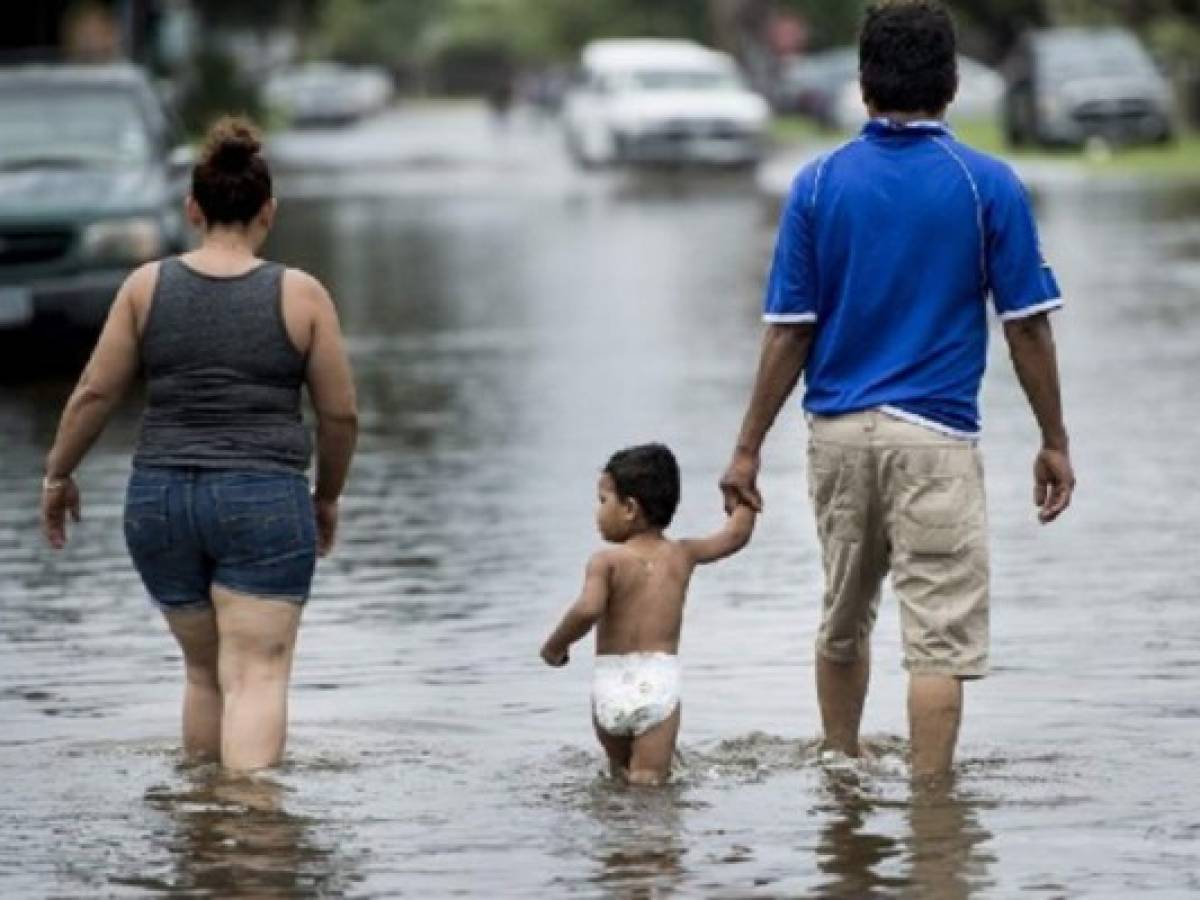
138 288
604 562
305 288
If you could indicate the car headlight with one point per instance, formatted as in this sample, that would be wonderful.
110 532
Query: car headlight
124 240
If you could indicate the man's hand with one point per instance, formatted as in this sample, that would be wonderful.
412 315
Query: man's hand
739 484
326 512
1053 483
58 500
554 657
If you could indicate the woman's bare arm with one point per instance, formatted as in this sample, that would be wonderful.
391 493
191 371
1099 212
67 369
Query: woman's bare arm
105 379
331 387
729 540
104 383
583 613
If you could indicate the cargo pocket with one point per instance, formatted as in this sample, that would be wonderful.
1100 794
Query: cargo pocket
833 492
935 516
147 529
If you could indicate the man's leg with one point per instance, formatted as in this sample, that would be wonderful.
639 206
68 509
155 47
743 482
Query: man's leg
940 573
934 714
842 691
854 555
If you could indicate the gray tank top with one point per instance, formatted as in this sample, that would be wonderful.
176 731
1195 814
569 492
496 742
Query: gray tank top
223 376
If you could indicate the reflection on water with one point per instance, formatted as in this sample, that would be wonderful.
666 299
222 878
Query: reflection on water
509 332
849 853
948 855
233 837
638 849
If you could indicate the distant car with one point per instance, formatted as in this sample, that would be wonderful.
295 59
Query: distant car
662 101
328 93
1066 85
813 85
980 97
91 185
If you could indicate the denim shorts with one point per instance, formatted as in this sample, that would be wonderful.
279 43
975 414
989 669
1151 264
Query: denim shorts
251 532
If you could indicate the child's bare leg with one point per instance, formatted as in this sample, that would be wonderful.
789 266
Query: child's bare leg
652 751
617 748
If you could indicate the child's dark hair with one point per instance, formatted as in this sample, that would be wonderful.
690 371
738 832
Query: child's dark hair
906 56
650 475
231 181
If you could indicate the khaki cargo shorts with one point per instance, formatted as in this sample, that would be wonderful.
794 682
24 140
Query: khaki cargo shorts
893 496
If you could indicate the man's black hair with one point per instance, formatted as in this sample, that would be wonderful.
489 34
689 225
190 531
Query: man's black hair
649 474
906 56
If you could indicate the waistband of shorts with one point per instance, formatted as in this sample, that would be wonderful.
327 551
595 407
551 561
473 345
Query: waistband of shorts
894 423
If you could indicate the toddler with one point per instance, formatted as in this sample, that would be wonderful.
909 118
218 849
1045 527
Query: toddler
635 593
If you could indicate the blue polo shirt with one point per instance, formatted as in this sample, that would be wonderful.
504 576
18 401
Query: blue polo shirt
892 244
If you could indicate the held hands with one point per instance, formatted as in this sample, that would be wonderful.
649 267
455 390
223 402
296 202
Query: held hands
60 497
1053 483
739 484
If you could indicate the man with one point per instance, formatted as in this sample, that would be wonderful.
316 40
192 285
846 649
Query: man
888 250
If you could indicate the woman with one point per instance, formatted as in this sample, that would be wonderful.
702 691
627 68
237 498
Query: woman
218 518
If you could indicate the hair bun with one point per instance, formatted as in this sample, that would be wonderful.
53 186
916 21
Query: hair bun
231 144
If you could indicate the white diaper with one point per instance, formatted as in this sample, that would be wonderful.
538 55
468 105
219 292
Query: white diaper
633 692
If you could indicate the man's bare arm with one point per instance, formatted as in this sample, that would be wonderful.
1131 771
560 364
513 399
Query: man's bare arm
729 540
583 613
1031 345
783 357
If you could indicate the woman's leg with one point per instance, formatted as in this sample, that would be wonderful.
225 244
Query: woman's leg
196 632
257 640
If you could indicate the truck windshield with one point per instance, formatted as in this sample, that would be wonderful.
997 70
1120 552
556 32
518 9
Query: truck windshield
682 80
1088 57
65 127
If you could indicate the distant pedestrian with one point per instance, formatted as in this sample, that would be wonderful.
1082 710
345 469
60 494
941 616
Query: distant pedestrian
218 516
634 593
888 249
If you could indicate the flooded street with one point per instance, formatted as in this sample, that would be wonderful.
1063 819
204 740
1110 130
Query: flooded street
512 323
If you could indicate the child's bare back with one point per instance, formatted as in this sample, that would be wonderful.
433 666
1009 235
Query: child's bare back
647 589
635 593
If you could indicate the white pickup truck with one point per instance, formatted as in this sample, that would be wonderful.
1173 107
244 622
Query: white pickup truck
646 101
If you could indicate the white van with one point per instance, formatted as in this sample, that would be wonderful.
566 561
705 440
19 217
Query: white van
661 101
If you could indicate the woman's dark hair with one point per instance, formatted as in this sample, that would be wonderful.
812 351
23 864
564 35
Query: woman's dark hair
231 181
649 474
906 56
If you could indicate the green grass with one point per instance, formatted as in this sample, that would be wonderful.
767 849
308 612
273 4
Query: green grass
1180 158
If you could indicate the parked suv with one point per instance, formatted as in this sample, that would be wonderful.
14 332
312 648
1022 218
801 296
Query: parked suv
661 101
91 183
1066 85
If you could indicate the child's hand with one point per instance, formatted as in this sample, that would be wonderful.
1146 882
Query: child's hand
551 658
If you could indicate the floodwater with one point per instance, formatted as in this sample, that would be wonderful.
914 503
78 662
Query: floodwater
511 324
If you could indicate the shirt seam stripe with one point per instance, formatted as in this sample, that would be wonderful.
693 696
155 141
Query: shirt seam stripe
941 142
789 318
1025 312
